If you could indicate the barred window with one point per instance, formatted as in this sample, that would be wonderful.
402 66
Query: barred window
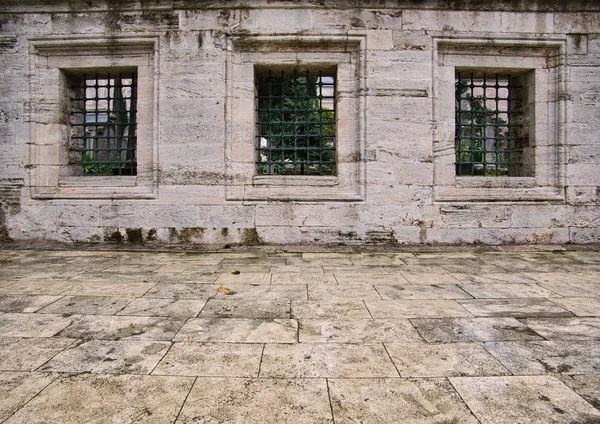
488 137
295 123
103 123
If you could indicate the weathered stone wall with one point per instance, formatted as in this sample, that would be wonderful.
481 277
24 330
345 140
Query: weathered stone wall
196 183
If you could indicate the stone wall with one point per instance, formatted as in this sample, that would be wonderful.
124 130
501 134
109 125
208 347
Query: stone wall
396 63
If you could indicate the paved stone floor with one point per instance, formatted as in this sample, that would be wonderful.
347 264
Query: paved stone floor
450 336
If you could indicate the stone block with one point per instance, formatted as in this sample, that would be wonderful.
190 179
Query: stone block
277 20
452 21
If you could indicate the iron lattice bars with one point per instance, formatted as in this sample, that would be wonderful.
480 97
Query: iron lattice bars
103 122
487 139
295 123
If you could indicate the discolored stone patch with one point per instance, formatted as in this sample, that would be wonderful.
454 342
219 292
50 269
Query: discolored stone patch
397 400
382 309
109 357
239 330
177 308
514 308
325 360
568 357
587 386
100 399
87 305
583 307
33 325
506 291
37 287
257 401
531 399
340 308
121 327
182 291
120 289
211 360
17 388
23 303
247 308
342 291
27 354
261 292
422 292
566 328
363 331
443 360
473 329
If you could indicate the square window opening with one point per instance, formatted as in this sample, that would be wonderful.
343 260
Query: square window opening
102 115
295 122
493 124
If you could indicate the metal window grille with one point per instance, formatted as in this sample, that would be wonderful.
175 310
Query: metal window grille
488 110
296 123
103 122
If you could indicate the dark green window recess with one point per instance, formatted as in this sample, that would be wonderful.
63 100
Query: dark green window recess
103 123
489 114
295 123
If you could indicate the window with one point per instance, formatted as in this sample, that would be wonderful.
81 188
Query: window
94 105
499 120
295 114
488 137
295 118
103 123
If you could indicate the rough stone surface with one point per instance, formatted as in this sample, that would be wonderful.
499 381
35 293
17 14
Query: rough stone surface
149 347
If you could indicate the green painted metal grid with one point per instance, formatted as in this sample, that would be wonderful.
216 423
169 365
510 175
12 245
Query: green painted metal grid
296 123
103 123
487 137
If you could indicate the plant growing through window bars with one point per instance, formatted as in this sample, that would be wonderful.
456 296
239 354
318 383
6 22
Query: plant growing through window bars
487 137
295 132
103 122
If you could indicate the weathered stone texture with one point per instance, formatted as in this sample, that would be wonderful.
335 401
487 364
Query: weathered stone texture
395 67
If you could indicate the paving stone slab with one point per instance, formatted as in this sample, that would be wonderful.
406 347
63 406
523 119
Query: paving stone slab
377 259
587 386
184 278
574 289
101 277
342 291
33 325
100 399
246 308
183 291
119 289
422 401
262 292
429 278
473 329
340 308
542 357
565 328
580 306
523 399
177 308
514 308
17 388
211 360
226 278
573 278
239 330
326 360
301 277
370 278
27 354
422 292
123 327
109 357
493 278
87 305
257 401
505 291
46 287
443 360
363 331
24 303
381 309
